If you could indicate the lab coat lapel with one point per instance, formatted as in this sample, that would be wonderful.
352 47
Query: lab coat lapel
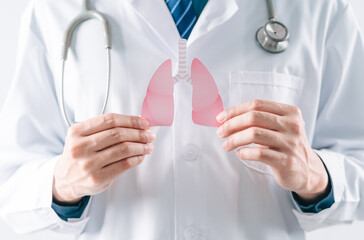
215 13
157 15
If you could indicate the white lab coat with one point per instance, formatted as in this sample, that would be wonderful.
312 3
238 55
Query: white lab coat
189 187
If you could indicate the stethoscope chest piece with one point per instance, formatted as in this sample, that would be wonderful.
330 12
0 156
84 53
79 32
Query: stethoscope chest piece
273 37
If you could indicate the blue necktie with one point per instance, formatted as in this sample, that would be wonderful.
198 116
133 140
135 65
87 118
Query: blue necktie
184 16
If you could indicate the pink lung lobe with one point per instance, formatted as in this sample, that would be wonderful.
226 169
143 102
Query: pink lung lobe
158 106
206 100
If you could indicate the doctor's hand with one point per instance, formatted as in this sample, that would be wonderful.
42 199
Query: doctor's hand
278 132
97 151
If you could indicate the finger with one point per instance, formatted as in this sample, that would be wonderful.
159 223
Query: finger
115 169
250 119
255 105
110 137
256 135
108 121
123 150
264 155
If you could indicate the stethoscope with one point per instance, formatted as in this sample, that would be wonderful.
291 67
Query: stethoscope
272 37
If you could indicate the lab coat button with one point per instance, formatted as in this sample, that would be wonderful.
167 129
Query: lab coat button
192 233
191 152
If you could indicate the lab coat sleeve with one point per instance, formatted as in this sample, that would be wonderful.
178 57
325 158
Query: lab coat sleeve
339 132
31 140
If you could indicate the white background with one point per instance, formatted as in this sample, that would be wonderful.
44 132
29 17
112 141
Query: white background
10 12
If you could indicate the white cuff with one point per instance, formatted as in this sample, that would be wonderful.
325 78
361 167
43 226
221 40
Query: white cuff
334 163
28 206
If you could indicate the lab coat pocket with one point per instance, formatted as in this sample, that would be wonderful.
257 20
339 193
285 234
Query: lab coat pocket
245 86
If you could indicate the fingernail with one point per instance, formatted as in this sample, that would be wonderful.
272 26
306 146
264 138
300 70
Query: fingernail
133 161
150 147
140 158
143 123
151 136
221 117
219 131
224 145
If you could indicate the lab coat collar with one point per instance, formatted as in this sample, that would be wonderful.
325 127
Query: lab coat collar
215 13
157 15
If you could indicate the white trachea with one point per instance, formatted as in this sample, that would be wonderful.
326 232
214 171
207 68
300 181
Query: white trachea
182 62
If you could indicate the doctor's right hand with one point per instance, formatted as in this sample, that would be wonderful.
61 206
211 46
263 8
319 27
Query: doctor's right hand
97 151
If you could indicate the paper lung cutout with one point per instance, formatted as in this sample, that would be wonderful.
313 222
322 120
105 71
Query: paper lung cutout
158 106
206 100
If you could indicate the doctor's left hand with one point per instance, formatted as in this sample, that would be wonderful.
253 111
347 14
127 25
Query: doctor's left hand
278 132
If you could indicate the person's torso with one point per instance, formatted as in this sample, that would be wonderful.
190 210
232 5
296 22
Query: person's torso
189 187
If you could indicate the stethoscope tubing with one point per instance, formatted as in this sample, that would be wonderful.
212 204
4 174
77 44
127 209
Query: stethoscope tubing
107 92
271 11
84 15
